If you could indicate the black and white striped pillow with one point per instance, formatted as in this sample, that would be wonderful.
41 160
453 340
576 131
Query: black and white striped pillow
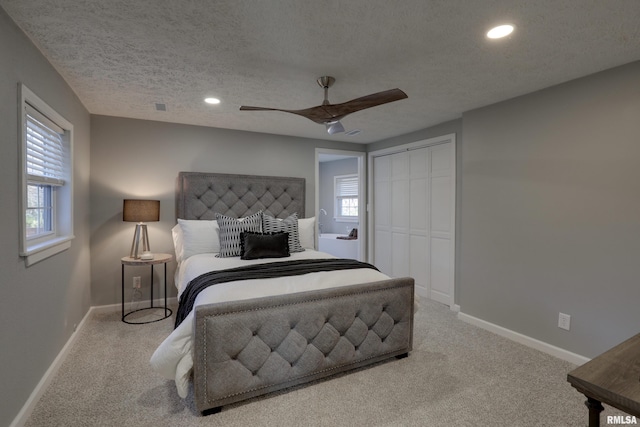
289 225
230 229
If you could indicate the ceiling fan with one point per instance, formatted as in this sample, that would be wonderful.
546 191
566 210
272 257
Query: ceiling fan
330 114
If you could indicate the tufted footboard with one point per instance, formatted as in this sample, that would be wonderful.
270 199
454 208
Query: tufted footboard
244 349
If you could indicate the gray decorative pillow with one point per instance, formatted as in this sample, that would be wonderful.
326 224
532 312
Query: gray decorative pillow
289 225
230 229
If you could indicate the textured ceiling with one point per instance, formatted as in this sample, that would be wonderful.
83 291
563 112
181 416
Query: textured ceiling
123 56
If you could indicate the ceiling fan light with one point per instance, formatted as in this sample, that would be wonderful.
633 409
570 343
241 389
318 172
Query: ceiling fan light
334 127
212 101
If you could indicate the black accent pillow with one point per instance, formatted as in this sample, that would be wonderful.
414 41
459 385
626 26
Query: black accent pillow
264 245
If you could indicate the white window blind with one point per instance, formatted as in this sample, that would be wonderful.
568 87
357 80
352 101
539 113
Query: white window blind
45 154
347 186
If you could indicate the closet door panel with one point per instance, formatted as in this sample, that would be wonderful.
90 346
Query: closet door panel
381 205
441 256
418 265
440 270
400 254
418 206
441 204
382 252
400 205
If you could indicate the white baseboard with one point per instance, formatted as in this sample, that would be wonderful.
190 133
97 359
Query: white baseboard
544 347
48 376
422 292
128 306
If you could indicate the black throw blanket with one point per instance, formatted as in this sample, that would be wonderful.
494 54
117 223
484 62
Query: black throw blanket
259 271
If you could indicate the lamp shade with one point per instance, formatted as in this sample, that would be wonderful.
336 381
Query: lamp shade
141 210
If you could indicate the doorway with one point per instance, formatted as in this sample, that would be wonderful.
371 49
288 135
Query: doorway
340 200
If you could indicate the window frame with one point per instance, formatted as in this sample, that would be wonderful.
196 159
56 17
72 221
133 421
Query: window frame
49 218
44 245
337 214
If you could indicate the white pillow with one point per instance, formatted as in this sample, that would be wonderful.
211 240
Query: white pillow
307 231
198 237
178 242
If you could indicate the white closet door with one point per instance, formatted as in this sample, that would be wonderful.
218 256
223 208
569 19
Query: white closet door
442 256
412 221
401 223
400 219
382 209
418 209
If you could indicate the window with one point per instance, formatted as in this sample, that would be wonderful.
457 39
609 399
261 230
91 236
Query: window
39 215
46 179
346 195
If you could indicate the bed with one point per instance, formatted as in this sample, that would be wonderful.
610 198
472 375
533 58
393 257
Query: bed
313 316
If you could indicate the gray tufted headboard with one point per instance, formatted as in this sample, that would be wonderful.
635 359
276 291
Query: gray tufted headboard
200 195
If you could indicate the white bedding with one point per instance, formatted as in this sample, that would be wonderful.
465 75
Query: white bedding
173 360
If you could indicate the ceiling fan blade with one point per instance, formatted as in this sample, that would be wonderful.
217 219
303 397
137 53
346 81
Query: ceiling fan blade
340 110
317 114
328 114
248 108
335 127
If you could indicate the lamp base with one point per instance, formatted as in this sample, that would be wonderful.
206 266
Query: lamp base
140 234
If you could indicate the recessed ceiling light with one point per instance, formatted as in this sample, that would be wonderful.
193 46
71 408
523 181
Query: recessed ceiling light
212 101
500 31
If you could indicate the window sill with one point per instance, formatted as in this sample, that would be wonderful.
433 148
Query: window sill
39 252
345 219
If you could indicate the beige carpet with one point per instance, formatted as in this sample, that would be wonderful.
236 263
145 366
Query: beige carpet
457 375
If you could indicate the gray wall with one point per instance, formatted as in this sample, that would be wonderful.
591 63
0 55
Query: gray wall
551 212
40 304
141 159
326 172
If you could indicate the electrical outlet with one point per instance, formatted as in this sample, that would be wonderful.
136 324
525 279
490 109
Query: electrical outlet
564 321
136 282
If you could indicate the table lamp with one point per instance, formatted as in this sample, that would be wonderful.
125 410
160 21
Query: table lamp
141 211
